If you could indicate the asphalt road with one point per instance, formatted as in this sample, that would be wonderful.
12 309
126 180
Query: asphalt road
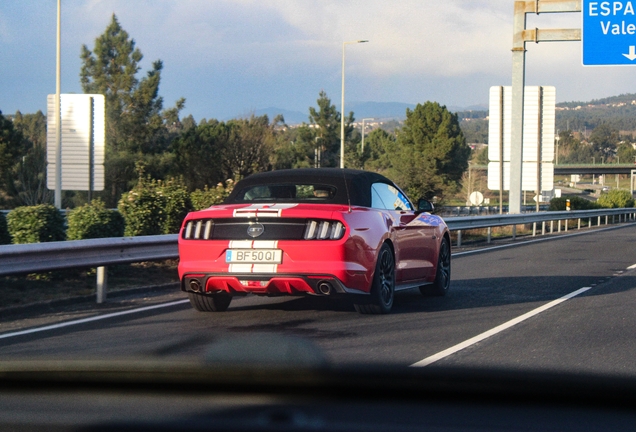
592 331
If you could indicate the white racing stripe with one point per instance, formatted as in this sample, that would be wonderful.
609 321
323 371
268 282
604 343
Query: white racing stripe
472 341
90 319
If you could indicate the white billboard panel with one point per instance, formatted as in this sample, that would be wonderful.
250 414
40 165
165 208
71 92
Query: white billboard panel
77 132
528 177
538 119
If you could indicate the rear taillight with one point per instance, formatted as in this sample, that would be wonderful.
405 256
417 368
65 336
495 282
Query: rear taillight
324 230
198 229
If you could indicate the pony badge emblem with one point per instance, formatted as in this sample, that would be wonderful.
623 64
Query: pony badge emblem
255 230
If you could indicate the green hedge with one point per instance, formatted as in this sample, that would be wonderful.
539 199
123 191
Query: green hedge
576 203
94 220
154 207
202 199
616 198
36 224
178 205
5 237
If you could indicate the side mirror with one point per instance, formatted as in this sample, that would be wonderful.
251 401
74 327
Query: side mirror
424 205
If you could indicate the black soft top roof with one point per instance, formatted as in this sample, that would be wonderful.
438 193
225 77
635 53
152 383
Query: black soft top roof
356 182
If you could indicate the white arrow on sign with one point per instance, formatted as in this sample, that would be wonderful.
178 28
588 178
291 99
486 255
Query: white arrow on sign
632 53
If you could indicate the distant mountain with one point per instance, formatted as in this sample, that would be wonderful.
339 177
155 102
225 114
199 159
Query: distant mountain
375 110
291 117
620 100
379 110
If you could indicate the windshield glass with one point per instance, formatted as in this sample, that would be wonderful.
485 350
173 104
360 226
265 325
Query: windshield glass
204 190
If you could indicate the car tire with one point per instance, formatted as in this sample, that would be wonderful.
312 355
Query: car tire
380 300
440 286
210 302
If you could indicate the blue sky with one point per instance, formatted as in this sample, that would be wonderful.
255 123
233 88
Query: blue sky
228 58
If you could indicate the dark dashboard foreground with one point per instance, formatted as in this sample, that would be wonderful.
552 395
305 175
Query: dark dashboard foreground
95 396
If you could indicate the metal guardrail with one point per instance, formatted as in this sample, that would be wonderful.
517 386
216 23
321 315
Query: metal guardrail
475 222
40 257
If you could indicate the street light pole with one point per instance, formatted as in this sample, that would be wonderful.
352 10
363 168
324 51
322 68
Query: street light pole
363 131
58 109
342 114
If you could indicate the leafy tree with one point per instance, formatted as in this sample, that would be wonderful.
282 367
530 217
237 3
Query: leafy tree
295 148
135 124
11 148
379 145
198 154
29 174
248 150
626 152
604 140
431 152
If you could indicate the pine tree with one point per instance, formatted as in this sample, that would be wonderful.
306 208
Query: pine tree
327 133
432 153
134 122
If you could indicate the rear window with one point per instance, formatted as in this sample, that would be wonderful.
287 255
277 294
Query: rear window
287 192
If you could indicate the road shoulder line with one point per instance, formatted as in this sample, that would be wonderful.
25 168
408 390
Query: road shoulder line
472 341
90 319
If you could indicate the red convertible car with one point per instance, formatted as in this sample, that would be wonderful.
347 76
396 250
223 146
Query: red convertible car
322 232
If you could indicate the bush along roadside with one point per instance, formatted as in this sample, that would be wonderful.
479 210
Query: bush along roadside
94 220
202 199
576 203
5 237
154 207
36 224
616 198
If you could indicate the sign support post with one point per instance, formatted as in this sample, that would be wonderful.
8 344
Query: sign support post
521 35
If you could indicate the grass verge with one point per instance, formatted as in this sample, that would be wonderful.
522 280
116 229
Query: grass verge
39 287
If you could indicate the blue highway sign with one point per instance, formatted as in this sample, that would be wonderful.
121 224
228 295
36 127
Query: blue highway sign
609 32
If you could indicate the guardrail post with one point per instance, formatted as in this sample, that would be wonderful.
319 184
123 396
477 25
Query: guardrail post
589 223
489 235
102 284
579 227
534 229
613 219
459 238
514 232
606 219
559 226
599 221
566 225
543 228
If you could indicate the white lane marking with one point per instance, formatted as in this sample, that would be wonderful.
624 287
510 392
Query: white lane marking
631 267
525 242
452 350
90 319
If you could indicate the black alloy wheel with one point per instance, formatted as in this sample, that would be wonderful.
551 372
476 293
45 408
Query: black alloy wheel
440 286
380 300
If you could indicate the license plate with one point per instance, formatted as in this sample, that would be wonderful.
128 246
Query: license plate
269 256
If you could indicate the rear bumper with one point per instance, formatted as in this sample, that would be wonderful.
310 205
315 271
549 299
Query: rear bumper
265 284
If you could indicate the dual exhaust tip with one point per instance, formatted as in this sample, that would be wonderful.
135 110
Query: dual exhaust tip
324 287
195 285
